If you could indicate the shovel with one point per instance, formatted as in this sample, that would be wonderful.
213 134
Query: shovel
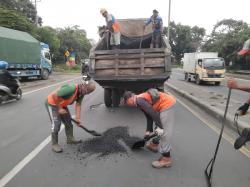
92 132
141 143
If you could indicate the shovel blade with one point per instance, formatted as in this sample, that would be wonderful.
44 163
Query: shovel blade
94 133
139 144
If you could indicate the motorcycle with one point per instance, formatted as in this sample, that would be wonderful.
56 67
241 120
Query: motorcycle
6 94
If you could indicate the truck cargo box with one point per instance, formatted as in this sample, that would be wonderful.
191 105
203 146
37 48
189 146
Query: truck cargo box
18 47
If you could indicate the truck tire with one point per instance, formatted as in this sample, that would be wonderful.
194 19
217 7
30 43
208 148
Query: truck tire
197 80
44 74
217 83
116 98
187 78
107 97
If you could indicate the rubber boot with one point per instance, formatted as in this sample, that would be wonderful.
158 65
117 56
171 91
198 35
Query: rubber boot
69 134
55 146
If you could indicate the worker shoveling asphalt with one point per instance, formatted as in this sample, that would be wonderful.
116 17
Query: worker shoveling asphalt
56 105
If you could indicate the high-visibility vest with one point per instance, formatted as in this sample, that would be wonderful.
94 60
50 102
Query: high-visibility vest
63 102
164 102
116 26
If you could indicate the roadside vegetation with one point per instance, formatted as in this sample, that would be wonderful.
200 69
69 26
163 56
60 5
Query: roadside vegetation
226 38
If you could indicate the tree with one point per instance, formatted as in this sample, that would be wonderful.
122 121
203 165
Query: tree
75 38
24 7
227 38
14 20
49 36
184 39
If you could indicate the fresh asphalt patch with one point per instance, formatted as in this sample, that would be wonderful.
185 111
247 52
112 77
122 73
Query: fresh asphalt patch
109 143
114 141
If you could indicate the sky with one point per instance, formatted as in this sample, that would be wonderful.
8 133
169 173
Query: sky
86 13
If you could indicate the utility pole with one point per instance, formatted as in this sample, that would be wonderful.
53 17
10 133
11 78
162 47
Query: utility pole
169 10
35 3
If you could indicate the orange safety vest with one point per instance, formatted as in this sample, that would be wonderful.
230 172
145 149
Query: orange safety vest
116 26
164 102
63 102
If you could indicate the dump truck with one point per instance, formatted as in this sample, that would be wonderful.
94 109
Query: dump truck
134 67
204 67
27 57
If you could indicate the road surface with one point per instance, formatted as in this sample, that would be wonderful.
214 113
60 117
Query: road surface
27 161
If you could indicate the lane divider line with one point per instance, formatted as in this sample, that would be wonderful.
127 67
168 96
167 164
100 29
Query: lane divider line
26 93
228 138
12 173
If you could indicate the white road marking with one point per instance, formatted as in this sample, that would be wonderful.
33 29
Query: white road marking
227 137
26 93
12 173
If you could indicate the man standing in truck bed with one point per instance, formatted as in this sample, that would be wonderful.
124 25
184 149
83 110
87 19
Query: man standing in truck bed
158 107
113 27
157 26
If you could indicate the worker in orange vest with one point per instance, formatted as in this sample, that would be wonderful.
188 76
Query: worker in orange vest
113 27
158 107
56 105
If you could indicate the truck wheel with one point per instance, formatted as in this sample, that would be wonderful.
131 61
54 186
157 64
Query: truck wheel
107 97
44 74
187 78
197 79
116 98
217 83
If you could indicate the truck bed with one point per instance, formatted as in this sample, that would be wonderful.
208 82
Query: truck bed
126 67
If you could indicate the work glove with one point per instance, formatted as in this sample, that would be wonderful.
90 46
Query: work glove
147 134
242 110
78 122
62 111
159 131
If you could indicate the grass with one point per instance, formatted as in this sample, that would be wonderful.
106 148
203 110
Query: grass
65 69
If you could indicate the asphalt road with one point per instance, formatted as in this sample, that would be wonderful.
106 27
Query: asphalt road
177 77
25 124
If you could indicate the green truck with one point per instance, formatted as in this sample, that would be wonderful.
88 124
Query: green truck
27 57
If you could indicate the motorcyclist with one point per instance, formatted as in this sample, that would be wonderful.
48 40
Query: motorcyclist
6 78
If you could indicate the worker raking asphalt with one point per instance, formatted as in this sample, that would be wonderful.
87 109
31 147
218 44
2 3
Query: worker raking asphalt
108 143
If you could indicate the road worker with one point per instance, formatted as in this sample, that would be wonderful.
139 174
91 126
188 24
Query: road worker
56 104
159 108
113 26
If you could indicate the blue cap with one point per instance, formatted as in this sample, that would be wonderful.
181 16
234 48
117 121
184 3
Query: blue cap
3 64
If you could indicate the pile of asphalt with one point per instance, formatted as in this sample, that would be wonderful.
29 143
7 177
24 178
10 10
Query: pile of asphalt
109 143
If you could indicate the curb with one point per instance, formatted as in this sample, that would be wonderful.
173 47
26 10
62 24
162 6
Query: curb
218 114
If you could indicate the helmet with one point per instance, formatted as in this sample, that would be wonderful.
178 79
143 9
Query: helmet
3 65
103 10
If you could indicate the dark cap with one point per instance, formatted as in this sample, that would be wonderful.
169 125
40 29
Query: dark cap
246 48
155 11
127 95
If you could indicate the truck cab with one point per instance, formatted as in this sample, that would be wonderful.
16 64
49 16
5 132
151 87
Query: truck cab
204 67
46 63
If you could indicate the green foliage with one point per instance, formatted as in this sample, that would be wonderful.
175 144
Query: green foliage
14 20
24 7
184 39
227 38
75 38
49 36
